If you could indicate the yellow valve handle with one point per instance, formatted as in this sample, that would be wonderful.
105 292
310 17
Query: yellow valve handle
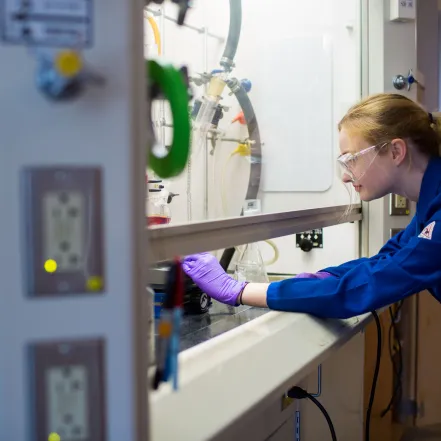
171 83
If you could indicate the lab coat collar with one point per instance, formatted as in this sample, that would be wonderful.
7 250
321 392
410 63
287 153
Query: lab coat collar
430 187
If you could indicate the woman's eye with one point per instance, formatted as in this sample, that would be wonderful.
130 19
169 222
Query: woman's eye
350 162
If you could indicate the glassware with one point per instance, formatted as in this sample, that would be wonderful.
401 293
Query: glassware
250 266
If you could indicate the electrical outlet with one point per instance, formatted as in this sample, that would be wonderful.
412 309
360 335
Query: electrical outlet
64 236
399 205
68 389
64 228
395 231
400 202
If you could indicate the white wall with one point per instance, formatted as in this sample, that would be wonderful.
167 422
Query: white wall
428 51
339 21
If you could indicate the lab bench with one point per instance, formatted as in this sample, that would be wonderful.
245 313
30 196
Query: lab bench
199 328
219 319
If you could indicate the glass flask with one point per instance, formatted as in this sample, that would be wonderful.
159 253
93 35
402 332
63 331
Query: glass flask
250 266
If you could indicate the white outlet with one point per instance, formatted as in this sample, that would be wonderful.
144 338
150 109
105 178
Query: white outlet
67 392
399 205
62 209
400 201
67 379
64 229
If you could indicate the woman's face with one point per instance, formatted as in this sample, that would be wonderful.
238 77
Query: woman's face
370 170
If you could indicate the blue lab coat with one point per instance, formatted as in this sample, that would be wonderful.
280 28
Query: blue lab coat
407 264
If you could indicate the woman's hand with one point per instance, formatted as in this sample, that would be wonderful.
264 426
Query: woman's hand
207 273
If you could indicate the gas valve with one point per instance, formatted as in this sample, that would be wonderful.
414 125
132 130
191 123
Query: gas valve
306 245
310 239
400 81
62 76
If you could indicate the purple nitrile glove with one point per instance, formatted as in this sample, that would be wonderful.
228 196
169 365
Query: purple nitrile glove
319 275
207 273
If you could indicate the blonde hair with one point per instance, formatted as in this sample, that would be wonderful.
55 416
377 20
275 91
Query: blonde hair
382 117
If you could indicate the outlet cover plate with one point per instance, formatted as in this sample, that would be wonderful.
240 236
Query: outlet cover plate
64 230
399 205
395 231
67 380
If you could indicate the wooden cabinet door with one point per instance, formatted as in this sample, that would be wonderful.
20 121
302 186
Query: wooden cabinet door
428 372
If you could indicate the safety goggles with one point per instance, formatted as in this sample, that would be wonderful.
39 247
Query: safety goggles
355 165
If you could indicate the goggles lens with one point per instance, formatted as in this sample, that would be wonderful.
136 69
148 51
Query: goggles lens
355 165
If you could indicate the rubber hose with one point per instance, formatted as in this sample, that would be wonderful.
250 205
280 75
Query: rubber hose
255 158
156 33
227 257
254 135
227 60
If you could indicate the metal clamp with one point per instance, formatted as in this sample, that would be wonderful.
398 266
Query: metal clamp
184 6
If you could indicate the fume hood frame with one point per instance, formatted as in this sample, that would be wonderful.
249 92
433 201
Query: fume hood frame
167 242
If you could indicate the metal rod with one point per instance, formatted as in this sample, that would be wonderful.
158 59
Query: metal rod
205 152
319 382
162 106
186 25
240 141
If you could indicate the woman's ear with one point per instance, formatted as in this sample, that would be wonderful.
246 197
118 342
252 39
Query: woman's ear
398 148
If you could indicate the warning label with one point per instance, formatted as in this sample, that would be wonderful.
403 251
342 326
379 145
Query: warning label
428 231
56 23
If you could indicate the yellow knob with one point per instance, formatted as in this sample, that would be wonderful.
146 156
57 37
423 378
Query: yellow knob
68 63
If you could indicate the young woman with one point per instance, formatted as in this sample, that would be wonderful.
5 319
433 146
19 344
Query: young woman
388 144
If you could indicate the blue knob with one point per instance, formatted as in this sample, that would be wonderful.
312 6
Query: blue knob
246 84
54 82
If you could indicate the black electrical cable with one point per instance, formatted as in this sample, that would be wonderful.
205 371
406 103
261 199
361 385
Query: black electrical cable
374 380
398 372
299 393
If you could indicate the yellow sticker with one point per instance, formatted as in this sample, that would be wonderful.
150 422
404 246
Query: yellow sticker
94 283
50 266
